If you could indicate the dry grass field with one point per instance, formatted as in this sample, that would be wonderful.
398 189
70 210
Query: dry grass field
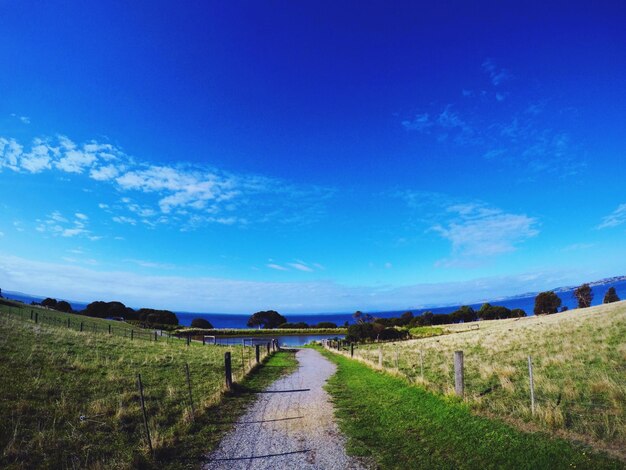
579 364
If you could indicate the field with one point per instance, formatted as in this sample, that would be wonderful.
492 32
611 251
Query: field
69 399
402 427
579 365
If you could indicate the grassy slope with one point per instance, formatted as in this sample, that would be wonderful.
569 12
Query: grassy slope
51 376
579 360
404 427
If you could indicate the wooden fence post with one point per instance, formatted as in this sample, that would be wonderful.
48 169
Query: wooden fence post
81 326
258 353
203 340
458 373
228 371
109 328
532 385
132 334
143 411
31 314
155 336
193 411
380 356
36 317
68 322
188 339
351 349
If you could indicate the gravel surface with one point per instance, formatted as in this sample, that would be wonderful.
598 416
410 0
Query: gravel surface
291 425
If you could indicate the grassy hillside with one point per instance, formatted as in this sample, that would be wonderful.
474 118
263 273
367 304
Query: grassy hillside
579 360
70 398
405 427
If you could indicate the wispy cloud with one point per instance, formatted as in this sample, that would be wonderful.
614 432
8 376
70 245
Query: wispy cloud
577 247
58 225
496 74
185 194
475 229
277 267
615 218
301 267
237 296
22 119
530 137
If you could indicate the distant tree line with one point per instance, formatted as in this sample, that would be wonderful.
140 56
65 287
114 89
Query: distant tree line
117 310
270 319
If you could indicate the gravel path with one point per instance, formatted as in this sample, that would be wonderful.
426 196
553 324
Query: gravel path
291 425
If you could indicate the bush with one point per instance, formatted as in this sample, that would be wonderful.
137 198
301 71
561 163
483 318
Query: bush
326 324
201 323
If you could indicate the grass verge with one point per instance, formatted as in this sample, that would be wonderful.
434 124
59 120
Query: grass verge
404 427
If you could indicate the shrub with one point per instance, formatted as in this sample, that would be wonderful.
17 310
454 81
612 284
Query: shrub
202 323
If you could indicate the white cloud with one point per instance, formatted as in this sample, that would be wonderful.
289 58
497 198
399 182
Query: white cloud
277 267
193 195
420 122
615 218
104 173
300 267
124 220
577 247
476 230
58 225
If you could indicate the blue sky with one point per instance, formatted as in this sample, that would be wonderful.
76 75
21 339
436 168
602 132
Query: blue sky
309 156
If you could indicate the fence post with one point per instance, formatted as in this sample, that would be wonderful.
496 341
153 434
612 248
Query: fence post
193 412
81 326
380 356
188 339
31 314
532 385
68 322
143 411
109 328
228 371
397 360
155 336
203 340
258 353
458 373
351 349
132 334
268 348
36 317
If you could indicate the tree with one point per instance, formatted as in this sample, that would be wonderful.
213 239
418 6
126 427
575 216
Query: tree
326 324
63 306
161 317
360 317
405 318
610 296
547 302
266 319
517 313
201 323
584 295
49 302
464 314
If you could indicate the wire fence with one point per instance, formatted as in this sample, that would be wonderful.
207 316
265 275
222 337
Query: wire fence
133 388
530 388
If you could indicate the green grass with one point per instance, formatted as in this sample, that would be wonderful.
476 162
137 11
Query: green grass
579 359
52 375
425 331
404 427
